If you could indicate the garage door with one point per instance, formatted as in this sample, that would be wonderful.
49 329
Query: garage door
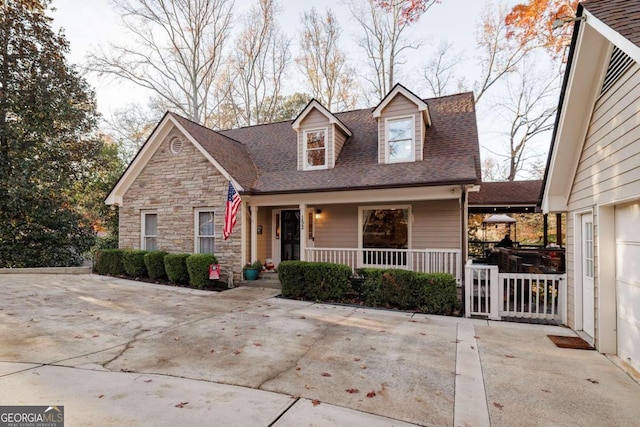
628 282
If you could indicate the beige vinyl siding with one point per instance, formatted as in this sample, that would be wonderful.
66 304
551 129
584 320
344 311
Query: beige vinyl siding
264 239
436 224
399 106
314 120
337 227
609 167
340 139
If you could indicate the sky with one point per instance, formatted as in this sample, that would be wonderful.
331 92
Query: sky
91 24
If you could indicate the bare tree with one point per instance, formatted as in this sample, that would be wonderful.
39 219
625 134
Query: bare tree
328 76
129 127
383 39
257 68
529 108
176 51
440 71
498 55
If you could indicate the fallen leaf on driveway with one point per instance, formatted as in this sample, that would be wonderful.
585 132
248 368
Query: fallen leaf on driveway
148 381
252 327
95 336
177 338
212 351
237 352
181 404
363 366
77 336
257 344
372 393
509 356
593 381
352 390
315 402
498 405
101 396
546 391
413 321
325 374
422 333
307 386
298 368
302 317
356 359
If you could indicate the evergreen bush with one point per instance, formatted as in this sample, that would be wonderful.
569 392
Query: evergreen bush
175 266
198 269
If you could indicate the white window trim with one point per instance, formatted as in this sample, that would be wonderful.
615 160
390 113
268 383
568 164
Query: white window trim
143 221
305 166
385 207
196 228
387 151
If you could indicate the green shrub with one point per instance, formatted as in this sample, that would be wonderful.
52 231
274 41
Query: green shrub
133 262
433 293
109 261
317 281
154 261
198 268
176 267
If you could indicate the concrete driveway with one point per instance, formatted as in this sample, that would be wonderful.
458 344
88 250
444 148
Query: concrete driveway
116 351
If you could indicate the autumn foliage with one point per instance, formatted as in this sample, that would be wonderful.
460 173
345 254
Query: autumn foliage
531 24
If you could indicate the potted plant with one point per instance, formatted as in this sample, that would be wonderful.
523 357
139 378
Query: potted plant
251 270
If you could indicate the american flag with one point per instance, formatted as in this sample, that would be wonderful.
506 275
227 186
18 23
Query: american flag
233 203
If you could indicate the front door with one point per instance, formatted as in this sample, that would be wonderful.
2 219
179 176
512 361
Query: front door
588 309
290 232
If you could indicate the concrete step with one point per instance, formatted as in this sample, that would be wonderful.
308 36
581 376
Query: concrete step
266 280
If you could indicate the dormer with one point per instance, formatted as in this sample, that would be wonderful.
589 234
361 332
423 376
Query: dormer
402 121
321 136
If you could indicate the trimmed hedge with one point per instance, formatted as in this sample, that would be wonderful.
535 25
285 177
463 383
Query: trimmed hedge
109 261
154 261
198 269
176 267
433 293
317 281
133 261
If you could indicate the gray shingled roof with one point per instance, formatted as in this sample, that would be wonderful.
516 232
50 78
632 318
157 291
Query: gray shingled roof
622 16
451 153
506 193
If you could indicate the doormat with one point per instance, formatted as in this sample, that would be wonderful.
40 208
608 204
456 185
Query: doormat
570 342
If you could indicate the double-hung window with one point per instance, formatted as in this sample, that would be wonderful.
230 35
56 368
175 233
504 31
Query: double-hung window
149 231
400 140
315 147
205 231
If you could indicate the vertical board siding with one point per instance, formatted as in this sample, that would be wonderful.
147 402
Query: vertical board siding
399 106
608 170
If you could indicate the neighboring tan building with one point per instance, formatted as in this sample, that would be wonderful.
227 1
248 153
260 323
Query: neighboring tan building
593 174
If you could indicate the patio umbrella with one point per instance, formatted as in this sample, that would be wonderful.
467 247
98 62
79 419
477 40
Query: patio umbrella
500 219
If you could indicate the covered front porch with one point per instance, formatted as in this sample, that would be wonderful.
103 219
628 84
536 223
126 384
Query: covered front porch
420 231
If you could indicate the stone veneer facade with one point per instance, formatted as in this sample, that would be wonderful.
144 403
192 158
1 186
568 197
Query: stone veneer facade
174 186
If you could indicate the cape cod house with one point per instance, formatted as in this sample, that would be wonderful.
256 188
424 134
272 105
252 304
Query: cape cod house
382 186
593 175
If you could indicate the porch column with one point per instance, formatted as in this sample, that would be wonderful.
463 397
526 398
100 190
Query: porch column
303 237
559 229
254 233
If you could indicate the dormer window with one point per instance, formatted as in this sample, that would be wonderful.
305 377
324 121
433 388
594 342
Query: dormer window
315 149
400 140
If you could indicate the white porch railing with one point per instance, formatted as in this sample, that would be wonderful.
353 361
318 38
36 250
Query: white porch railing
420 260
495 295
